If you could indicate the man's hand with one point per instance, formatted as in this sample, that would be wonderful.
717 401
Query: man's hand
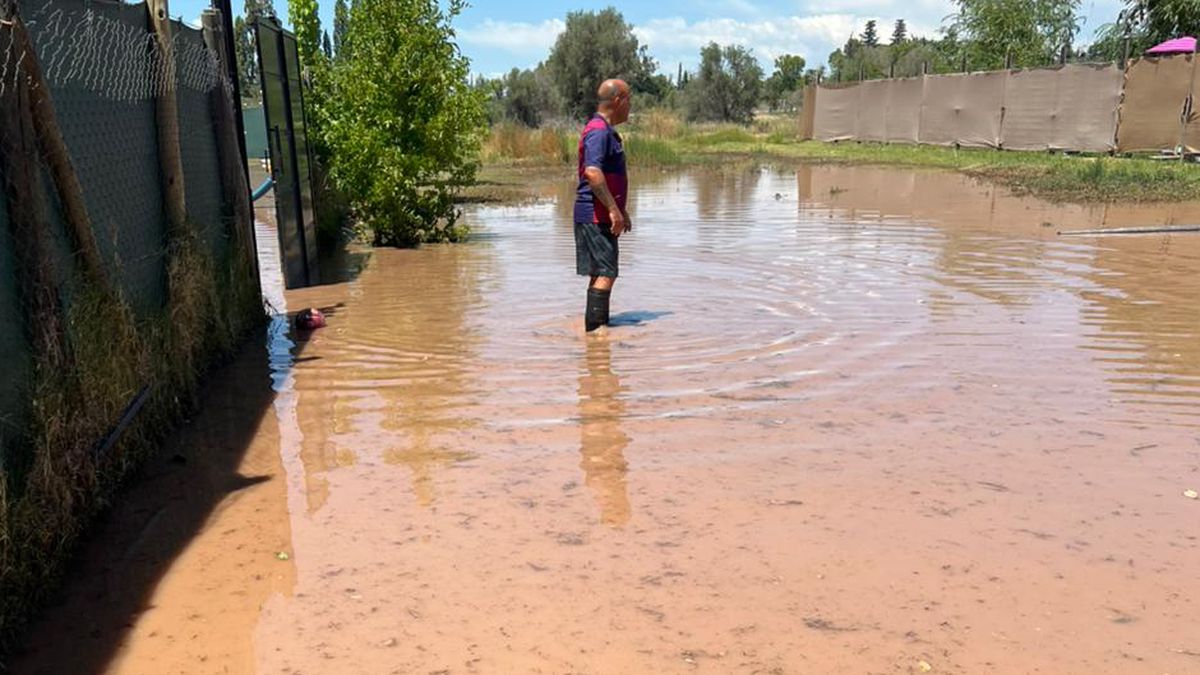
619 223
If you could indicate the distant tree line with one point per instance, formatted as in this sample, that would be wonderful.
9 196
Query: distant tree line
729 84
994 34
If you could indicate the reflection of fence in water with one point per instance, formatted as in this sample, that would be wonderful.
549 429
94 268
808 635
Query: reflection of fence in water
1077 107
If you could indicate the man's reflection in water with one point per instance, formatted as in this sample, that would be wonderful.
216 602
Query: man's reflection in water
601 441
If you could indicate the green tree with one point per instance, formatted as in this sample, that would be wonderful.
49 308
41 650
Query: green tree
1145 23
727 87
1162 20
787 79
856 60
596 46
245 52
259 8
525 98
900 32
341 14
398 121
870 36
1029 32
327 46
306 25
247 62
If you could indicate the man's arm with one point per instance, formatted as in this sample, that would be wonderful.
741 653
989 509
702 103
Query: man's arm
595 179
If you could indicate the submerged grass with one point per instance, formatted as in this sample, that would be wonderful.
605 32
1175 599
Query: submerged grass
658 139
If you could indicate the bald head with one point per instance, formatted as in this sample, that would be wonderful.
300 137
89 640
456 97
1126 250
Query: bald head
611 89
613 100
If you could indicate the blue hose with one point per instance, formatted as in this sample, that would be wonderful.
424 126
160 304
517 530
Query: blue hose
262 189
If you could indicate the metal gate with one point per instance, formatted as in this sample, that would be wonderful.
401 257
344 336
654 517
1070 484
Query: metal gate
287 139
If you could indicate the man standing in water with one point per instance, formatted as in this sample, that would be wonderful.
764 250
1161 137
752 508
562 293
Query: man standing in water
600 216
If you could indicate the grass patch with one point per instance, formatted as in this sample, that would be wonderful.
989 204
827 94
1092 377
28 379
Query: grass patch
722 135
653 152
1056 177
658 138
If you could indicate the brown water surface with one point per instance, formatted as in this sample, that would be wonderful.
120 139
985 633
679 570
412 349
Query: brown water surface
846 420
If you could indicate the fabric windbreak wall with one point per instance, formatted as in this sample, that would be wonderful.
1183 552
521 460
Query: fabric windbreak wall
904 100
836 113
963 109
808 113
1087 108
871 121
1156 90
1072 107
1031 101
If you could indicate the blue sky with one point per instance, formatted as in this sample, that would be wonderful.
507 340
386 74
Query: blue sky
501 34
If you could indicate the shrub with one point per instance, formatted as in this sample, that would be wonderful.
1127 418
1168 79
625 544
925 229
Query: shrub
399 121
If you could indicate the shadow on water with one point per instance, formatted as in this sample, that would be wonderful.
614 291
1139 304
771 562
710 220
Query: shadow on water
227 456
636 317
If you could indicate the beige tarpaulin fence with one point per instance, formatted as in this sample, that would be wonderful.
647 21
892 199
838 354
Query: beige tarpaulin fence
904 100
1156 91
1073 107
963 109
836 113
871 121
808 113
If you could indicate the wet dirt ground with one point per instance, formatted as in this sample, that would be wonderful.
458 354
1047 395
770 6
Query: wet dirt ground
847 420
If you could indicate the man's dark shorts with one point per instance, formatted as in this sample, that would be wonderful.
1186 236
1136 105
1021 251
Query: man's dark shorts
596 250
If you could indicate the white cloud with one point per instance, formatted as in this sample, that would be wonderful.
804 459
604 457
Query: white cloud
675 40
909 10
786 33
513 36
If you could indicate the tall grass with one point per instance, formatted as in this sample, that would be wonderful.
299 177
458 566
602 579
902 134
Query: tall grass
657 137
64 480
511 143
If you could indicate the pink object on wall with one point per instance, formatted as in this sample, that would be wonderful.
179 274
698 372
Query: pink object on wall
1183 45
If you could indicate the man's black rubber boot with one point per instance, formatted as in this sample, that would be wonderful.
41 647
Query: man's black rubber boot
596 314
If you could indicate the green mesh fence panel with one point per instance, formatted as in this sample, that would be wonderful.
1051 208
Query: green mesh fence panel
103 79
198 142
104 74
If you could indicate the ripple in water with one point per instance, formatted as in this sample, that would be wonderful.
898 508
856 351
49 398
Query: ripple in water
747 289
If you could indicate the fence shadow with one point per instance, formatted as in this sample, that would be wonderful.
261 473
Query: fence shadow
227 456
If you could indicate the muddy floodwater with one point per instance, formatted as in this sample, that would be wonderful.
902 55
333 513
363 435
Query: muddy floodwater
847 420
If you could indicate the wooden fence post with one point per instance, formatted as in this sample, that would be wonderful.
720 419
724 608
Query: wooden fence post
58 159
170 157
21 165
233 171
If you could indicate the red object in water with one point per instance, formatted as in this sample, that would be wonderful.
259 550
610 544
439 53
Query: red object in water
310 318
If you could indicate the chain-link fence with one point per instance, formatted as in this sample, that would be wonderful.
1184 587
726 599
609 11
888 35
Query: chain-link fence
126 257
104 75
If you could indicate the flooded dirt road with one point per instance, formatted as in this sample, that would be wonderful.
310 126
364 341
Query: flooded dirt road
847 420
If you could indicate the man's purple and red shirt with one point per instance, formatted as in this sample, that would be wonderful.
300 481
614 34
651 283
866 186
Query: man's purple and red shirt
600 146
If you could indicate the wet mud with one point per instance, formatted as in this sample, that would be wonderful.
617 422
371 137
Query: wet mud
846 420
